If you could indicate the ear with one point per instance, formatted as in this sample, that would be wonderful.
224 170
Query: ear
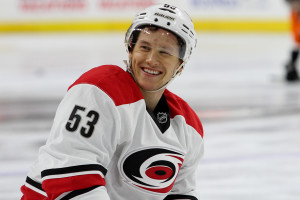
130 55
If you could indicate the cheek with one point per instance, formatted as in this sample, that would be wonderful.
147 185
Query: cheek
134 56
132 59
175 65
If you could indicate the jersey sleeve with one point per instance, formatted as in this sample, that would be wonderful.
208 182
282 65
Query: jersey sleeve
185 184
83 138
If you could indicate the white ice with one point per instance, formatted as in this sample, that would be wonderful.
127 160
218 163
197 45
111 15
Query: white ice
251 116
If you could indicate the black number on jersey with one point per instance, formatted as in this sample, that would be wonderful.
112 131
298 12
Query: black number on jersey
75 119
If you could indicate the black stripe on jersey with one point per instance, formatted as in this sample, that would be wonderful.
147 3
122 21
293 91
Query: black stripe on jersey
179 196
161 114
74 169
34 183
78 192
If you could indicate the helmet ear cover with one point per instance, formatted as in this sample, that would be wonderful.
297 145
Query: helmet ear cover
135 35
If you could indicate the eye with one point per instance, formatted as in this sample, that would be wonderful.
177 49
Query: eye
145 48
165 53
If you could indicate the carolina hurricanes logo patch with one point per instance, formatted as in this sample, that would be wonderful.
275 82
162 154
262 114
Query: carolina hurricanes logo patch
152 169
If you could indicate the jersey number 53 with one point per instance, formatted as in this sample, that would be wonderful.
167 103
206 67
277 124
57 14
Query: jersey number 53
75 119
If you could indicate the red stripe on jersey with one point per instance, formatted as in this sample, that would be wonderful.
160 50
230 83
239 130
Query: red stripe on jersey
57 186
114 81
179 107
29 194
162 190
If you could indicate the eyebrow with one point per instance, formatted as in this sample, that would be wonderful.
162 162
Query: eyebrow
164 46
144 42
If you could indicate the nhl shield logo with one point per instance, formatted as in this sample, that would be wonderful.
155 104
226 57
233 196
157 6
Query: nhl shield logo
162 117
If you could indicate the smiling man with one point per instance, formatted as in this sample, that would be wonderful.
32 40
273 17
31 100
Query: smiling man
120 135
154 61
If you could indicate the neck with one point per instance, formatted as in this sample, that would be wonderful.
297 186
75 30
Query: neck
152 98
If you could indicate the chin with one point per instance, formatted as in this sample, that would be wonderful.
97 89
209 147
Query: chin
148 87
145 88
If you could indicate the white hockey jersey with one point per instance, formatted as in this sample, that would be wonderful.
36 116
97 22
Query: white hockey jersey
105 144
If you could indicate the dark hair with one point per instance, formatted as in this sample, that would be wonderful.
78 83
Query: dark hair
135 35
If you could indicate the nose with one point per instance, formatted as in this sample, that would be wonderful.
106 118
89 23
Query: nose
152 59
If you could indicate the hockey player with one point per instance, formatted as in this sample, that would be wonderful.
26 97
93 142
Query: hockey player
291 67
122 135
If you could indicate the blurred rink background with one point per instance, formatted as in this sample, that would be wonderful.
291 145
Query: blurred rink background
234 81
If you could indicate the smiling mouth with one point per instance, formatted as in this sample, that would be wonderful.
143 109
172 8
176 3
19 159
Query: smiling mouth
152 72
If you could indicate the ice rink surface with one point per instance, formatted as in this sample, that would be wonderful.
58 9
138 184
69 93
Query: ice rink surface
251 116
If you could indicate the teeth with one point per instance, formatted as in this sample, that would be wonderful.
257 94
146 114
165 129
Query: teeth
151 71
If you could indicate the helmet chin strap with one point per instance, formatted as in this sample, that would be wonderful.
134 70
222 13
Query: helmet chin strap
176 73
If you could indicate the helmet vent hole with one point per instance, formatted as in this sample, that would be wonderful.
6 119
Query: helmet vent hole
164 9
156 20
168 23
185 26
184 31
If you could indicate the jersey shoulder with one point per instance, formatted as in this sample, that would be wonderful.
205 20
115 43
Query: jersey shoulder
179 107
114 81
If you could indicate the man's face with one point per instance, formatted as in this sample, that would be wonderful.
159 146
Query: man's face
154 58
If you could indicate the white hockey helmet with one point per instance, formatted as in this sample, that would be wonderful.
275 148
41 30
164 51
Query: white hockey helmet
169 18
